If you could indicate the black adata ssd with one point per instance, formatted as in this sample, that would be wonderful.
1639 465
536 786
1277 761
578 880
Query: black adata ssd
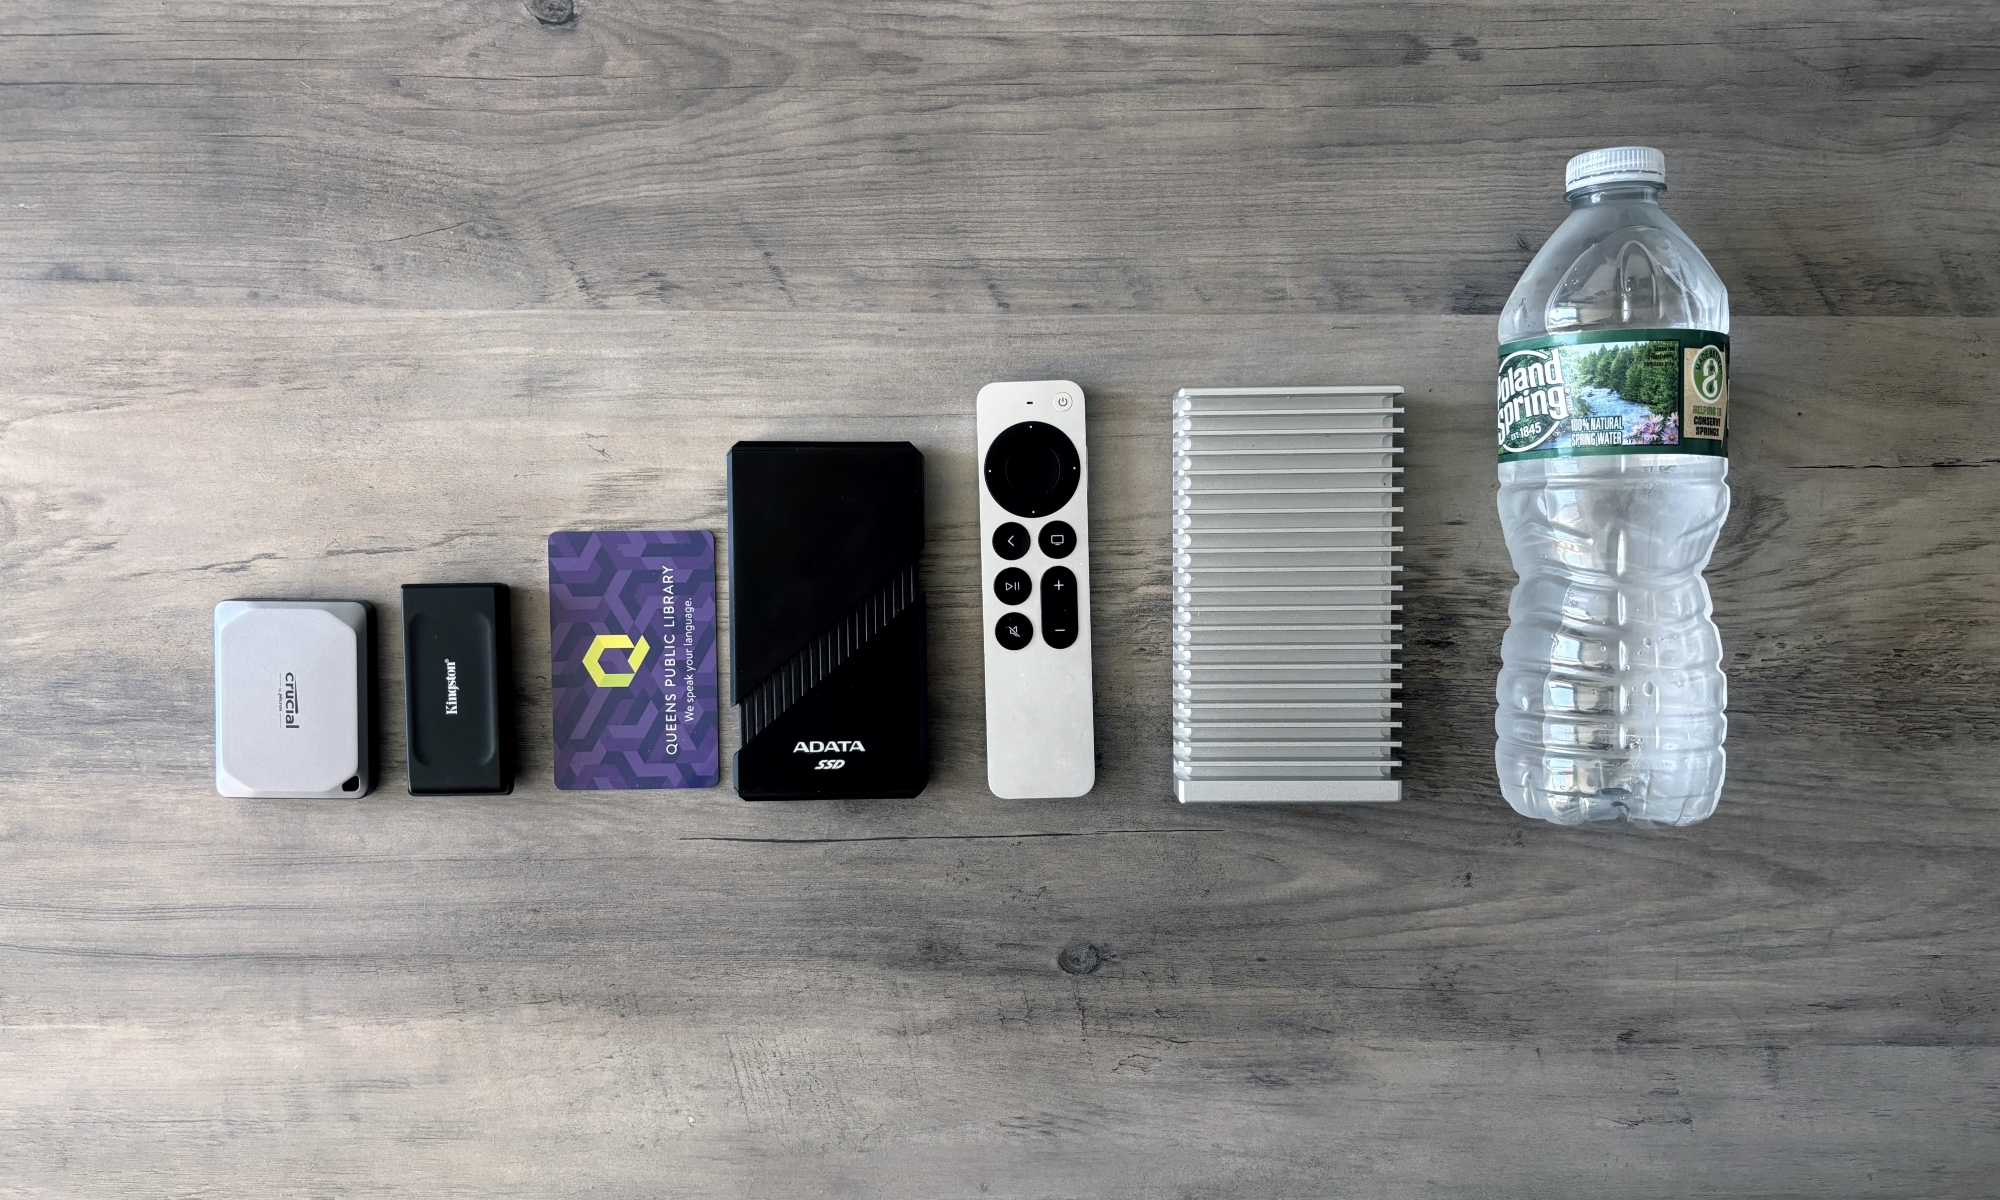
458 688
826 621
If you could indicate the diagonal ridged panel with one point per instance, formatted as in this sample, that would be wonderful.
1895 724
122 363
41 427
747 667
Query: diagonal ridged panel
804 670
1284 590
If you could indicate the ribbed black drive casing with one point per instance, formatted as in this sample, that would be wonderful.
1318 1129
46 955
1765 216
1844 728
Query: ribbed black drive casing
826 620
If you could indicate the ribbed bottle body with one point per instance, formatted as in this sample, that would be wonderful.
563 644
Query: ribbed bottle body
1611 692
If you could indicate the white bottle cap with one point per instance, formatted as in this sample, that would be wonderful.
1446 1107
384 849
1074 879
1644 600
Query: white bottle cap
1618 164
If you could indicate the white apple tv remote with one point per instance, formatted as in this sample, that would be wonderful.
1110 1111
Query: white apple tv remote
1034 571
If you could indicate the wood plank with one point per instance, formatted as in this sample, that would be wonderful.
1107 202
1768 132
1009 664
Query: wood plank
1831 158
555 993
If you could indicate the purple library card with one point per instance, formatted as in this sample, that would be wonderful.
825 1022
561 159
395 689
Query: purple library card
632 659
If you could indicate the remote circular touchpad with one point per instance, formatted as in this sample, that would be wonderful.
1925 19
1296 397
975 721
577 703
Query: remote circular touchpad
1032 469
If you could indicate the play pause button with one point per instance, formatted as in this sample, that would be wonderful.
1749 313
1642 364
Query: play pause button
1012 585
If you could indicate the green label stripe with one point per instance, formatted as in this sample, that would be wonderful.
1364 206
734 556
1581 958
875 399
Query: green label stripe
1613 391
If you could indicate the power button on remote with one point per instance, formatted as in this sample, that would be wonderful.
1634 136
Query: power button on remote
1064 400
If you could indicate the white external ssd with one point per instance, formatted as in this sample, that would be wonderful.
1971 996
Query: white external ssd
292 682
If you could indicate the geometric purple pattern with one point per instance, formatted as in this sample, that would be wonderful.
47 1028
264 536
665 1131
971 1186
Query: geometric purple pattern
662 730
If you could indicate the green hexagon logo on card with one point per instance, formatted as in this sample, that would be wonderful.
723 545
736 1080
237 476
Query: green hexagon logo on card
614 641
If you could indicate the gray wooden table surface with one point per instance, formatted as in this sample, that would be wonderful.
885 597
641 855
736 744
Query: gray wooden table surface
319 299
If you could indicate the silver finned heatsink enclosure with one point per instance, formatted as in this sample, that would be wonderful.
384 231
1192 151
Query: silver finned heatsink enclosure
1286 523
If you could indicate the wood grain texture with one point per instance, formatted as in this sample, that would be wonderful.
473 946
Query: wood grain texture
1832 156
559 994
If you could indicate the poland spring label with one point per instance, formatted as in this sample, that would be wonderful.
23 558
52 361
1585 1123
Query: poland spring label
1615 391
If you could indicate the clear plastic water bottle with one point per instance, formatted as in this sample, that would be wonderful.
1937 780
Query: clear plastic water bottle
1613 437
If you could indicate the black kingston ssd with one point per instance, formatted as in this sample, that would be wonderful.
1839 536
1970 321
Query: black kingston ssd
458 687
826 620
